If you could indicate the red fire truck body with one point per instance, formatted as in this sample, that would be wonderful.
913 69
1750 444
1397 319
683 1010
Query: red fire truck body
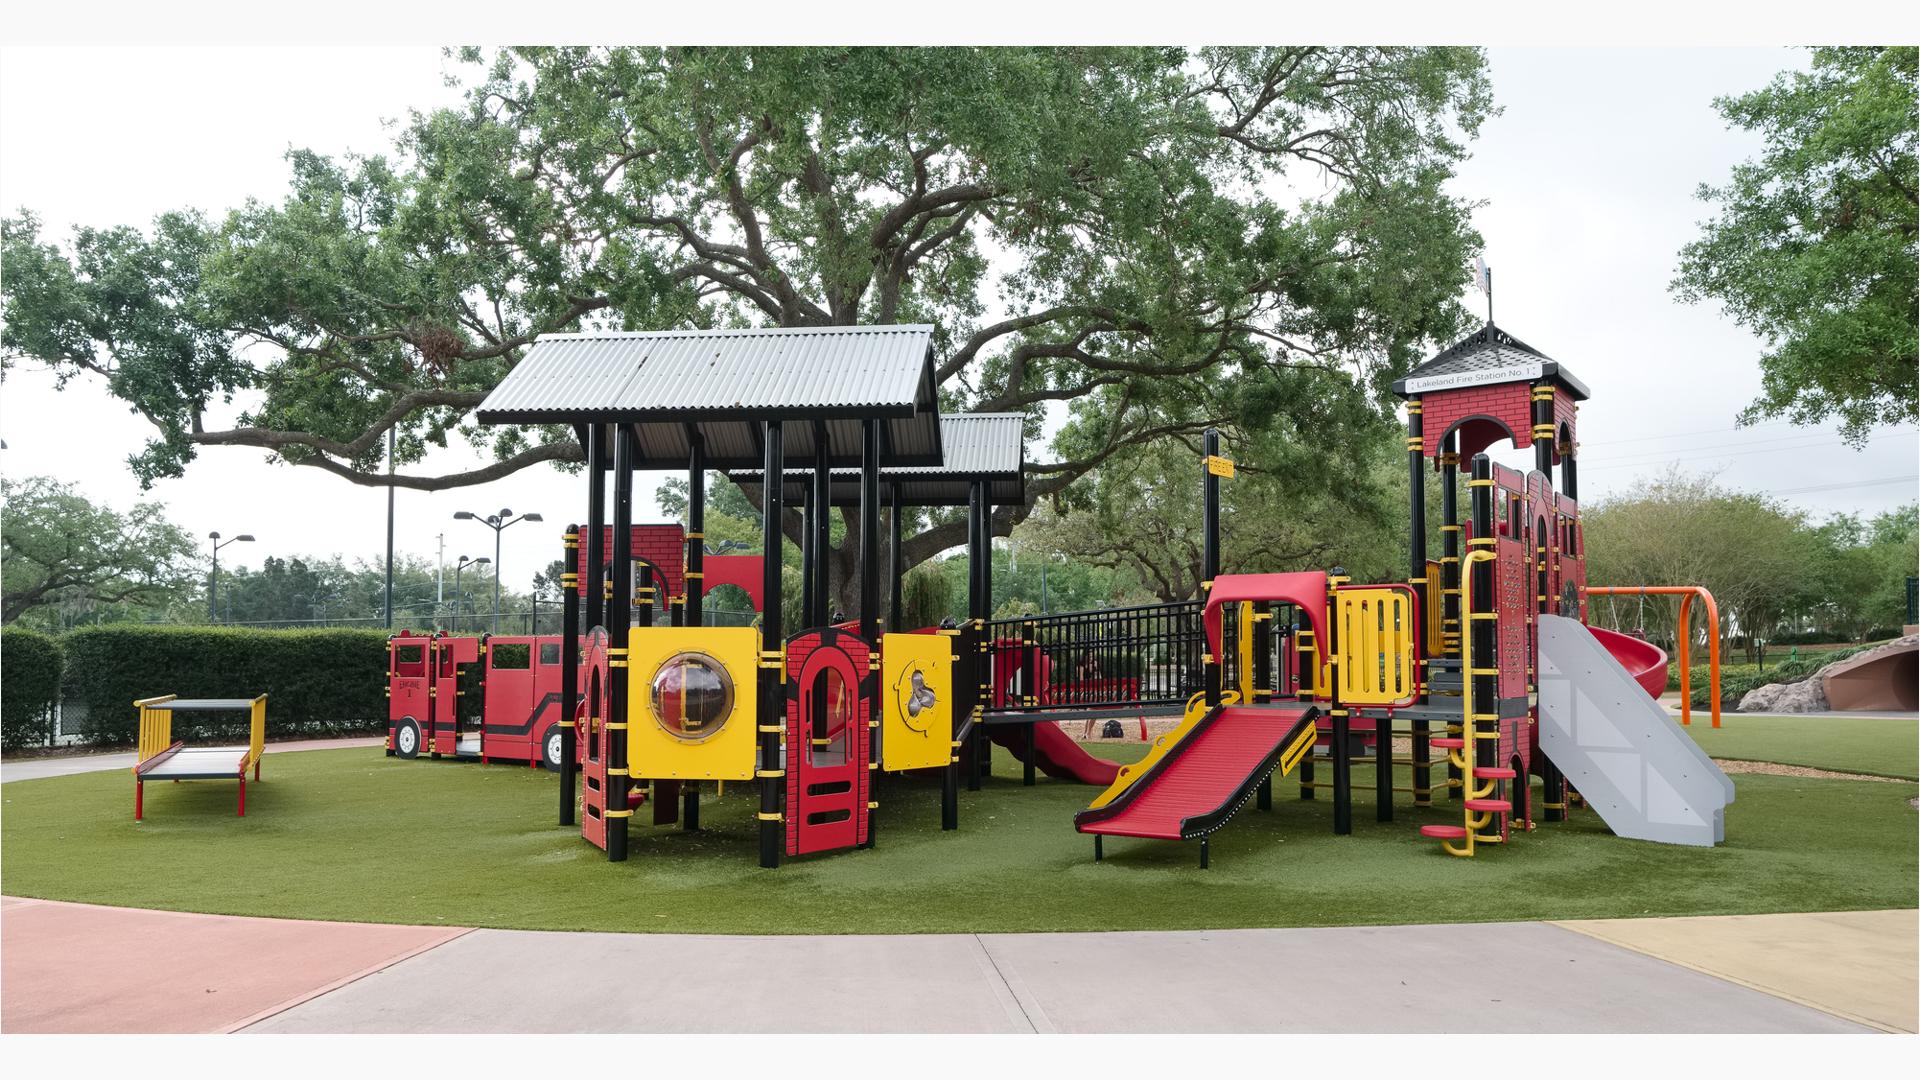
491 698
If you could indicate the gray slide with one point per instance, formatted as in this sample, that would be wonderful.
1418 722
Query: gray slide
1630 761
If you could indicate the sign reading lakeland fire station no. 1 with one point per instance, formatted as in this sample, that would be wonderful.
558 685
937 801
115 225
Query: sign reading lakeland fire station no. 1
1486 377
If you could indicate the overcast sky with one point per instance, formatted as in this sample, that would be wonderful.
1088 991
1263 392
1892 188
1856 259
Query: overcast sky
1587 179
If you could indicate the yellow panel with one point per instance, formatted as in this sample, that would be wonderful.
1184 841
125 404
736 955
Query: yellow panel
1376 646
916 695
725 751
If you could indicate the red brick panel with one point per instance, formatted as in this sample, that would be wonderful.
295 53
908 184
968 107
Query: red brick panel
664 547
1510 404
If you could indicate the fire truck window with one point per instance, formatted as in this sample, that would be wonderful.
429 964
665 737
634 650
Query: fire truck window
509 656
410 660
549 653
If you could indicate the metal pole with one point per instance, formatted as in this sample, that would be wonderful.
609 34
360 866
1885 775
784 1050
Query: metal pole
390 490
870 597
498 528
1486 688
1417 577
1547 552
213 586
1450 548
1342 722
773 710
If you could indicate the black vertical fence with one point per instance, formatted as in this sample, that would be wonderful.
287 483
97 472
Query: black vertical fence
1135 658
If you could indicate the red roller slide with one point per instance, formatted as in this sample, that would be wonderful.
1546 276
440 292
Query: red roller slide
1200 782
1644 661
1055 754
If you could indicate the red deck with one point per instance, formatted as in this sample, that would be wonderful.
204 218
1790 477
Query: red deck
1199 783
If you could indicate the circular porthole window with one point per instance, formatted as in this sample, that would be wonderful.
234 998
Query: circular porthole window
691 696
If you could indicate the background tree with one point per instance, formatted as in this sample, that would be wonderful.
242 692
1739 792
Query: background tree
1752 553
1157 238
1813 245
58 548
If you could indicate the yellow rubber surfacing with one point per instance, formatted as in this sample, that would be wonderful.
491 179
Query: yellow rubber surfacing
1858 965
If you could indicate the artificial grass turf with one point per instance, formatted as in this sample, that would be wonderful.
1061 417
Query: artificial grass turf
354 835
1876 747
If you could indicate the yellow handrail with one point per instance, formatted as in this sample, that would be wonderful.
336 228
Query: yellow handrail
156 728
1464 757
257 739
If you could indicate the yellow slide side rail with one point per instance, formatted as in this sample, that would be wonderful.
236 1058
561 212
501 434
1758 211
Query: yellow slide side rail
1196 711
156 727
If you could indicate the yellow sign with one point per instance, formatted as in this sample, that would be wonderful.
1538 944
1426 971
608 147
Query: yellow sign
692 694
916 688
1220 466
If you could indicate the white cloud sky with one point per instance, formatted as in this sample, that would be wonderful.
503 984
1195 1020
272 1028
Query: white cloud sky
1588 178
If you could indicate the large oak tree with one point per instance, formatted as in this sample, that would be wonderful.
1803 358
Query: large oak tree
1160 239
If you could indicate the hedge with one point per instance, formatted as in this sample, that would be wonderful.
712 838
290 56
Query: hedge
30 665
317 682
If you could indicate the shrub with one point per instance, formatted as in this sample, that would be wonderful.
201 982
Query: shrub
1737 680
318 682
29 686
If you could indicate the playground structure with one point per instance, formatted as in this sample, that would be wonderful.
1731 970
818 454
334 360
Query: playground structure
1291 673
160 757
497 697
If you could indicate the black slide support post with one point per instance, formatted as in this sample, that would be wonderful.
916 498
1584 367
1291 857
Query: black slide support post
569 672
773 704
619 622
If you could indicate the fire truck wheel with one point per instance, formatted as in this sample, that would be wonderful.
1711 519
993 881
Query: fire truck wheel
550 750
406 739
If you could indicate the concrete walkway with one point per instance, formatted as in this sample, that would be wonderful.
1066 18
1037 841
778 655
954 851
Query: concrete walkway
35 768
76 967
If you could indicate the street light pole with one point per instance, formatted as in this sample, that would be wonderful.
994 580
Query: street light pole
459 595
498 523
213 580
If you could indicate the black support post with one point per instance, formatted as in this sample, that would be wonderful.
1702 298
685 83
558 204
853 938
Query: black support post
822 613
1546 551
1481 625
696 574
1342 723
1210 557
596 526
569 673
870 602
619 621
773 704
807 554
895 599
979 606
1450 548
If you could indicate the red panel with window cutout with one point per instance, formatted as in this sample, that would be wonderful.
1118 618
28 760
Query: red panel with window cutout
829 697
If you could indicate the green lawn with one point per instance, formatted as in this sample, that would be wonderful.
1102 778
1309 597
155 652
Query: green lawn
1862 745
354 835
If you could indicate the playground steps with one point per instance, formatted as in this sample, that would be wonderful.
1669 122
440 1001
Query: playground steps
1630 761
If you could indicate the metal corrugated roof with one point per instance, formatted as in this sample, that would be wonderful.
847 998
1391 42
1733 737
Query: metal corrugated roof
724 383
979 446
1487 357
